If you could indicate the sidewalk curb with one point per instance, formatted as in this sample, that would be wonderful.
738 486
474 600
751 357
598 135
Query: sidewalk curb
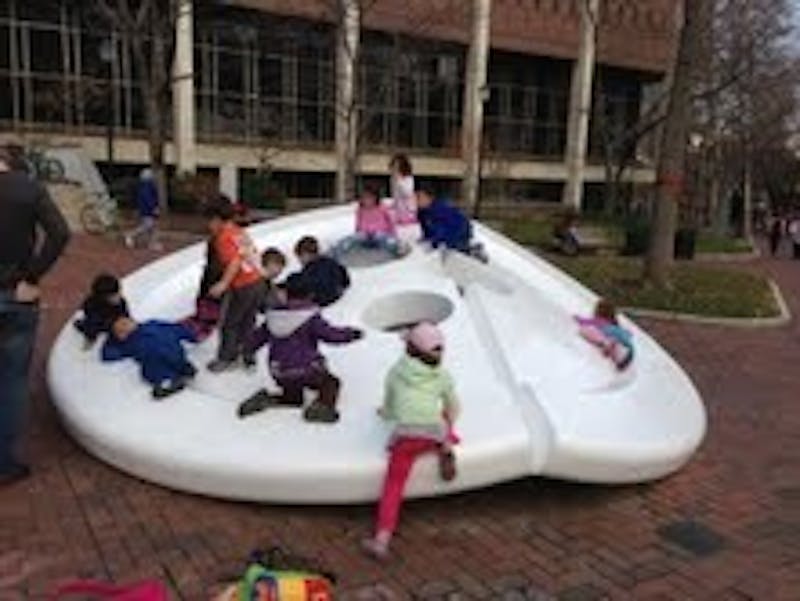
783 319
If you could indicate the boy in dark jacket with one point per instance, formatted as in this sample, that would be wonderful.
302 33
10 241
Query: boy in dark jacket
294 332
101 308
156 347
326 278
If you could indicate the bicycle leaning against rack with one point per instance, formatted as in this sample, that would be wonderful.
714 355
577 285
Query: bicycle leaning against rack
101 215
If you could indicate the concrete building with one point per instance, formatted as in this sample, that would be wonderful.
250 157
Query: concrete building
255 86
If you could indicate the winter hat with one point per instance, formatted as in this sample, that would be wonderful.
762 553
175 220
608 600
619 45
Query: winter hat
425 337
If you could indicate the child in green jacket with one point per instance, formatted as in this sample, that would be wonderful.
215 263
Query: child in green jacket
420 399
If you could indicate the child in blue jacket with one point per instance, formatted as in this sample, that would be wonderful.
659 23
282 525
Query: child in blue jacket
445 226
157 347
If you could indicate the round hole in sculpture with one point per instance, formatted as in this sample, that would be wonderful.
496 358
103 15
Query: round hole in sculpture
403 310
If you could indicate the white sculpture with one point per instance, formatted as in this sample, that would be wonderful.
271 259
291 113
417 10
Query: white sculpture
537 399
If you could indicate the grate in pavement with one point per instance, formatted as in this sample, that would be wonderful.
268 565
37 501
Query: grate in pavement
692 536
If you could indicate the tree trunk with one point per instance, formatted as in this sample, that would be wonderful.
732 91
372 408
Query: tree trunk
746 227
347 47
580 106
475 91
671 164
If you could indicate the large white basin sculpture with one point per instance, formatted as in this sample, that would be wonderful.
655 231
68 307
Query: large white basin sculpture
537 399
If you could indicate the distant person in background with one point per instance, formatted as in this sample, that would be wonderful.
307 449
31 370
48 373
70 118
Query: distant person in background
147 207
794 234
777 229
33 234
404 202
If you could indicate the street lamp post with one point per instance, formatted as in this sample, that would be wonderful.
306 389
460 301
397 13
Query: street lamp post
108 55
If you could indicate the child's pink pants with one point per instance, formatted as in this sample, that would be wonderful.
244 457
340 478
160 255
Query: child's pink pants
402 455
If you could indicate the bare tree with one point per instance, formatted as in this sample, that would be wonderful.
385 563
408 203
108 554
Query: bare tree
671 166
149 26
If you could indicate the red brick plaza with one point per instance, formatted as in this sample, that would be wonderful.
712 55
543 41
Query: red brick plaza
727 527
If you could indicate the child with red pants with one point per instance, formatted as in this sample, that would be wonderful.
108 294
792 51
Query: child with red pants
420 399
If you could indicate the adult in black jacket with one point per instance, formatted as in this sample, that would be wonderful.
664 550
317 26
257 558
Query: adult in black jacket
33 234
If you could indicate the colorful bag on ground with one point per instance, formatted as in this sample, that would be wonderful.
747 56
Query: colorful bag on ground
262 582
148 590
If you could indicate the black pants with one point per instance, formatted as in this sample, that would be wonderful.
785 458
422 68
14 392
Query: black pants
238 319
796 250
320 380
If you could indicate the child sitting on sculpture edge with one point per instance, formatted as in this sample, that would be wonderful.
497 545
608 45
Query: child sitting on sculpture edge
420 400
375 227
293 333
101 308
157 347
603 331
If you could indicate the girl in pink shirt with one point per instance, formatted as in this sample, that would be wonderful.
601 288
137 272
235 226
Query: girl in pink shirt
374 228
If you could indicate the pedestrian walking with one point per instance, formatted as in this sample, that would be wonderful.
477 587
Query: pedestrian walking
147 207
794 234
777 229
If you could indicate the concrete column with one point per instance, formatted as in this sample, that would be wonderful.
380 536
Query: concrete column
229 181
183 90
475 92
580 105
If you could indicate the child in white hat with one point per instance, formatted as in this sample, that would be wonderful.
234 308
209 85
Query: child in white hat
420 399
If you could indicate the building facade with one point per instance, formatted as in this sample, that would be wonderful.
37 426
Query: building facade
263 85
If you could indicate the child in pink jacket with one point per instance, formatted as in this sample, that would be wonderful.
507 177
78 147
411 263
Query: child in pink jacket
374 228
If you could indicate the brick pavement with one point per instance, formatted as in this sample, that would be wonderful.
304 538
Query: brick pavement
727 527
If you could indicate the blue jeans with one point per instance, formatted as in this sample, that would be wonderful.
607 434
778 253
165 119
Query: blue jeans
18 323
381 241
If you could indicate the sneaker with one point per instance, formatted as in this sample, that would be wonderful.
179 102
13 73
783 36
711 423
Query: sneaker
167 388
375 548
217 366
249 363
128 240
14 473
447 465
189 371
317 412
257 403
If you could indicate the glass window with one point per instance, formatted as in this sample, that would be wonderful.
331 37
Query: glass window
269 76
6 98
5 54
46 51
231 72
48 101
42 11
94 47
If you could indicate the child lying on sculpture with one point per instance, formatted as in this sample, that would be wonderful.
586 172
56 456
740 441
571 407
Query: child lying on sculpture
101 308
603 331
157 347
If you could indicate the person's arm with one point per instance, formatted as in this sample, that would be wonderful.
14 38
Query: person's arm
228 252
56 236
452 406
113 351
386 410
258 338
332 334
344 277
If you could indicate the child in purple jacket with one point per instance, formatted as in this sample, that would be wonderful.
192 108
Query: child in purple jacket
294 332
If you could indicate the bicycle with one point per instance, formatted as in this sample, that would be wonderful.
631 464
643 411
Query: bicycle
43 167
101 215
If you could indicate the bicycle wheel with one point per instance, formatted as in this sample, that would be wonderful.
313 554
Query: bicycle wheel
91 220
52 170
